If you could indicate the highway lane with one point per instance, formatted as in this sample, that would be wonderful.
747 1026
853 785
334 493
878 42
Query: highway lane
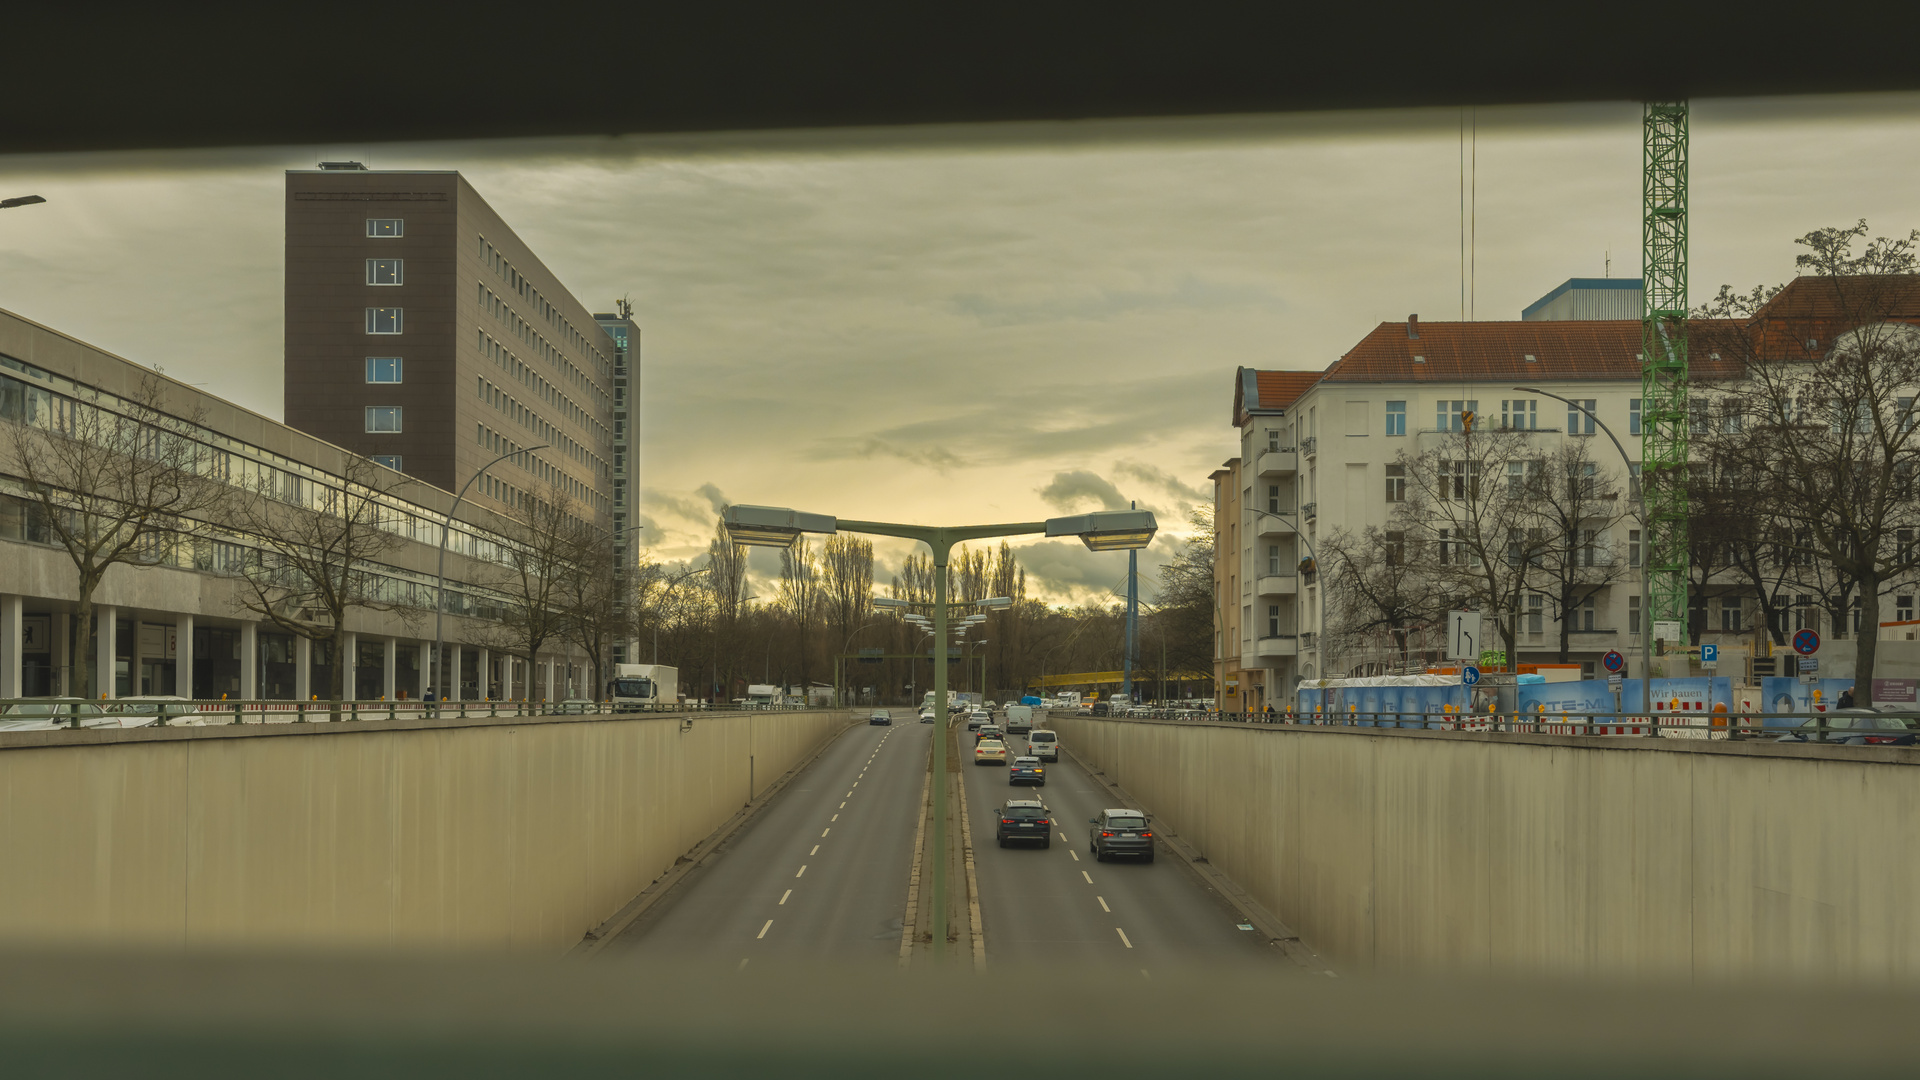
820 872
1060 904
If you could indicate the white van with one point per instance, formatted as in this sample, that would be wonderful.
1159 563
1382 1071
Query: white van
1044 745
1019 719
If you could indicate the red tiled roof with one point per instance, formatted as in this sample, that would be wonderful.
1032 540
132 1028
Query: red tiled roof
1279 389
1485 351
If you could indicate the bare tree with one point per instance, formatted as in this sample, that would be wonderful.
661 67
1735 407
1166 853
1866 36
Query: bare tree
112 482
544 539
800 591
1576 507
1474 533
318 546
1820 413
1376 593
847 582
1186 614
597 603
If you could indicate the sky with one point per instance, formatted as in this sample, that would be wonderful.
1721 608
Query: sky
977 323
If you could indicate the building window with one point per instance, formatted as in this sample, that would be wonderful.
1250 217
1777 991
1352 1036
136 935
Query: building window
1447 414
386 226
1536 614
1633 614
383 369
1633 480
1633 416
1729 614
1273 438
1588 614
1903 608
1273 498
1396 548
1633 547
1273 558
1273 620
1519 414
383 418
1580 423
1396 418
386 271
1396 483
1459 479
1904 407
391 461
385 320
1803 616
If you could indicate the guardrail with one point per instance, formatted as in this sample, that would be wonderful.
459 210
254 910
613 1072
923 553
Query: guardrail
22 713
1837 729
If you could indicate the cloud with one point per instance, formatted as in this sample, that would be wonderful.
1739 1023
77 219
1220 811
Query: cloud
1190 293
1168 482
938 458
716 498
1069 489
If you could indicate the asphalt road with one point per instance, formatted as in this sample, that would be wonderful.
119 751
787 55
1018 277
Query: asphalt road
820 872
1060 904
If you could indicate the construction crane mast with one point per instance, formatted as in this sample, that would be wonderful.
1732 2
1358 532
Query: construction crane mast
1663 358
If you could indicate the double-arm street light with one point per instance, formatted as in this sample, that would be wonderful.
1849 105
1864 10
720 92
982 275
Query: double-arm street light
1105 530
1646 577
435 675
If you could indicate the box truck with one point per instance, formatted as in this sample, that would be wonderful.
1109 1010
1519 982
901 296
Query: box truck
638 687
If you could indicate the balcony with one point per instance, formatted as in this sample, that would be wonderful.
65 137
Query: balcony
1277 648
1277 463
1265 524
1310 445
1276 585
1309 511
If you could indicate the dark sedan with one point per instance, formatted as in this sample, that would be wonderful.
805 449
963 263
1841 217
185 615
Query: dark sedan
1853 727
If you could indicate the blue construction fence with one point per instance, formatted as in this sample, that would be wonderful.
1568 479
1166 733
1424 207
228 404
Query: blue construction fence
1415 706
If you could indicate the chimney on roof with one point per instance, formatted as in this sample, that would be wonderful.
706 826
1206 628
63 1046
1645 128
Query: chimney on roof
1413 328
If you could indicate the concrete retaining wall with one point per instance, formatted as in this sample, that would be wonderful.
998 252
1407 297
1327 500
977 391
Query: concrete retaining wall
1406 850
516 834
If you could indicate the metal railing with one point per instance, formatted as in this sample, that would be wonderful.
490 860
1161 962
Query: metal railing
29 714
1309 511
1310 445
1806 727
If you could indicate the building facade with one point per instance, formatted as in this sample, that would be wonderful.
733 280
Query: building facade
175 623
422 332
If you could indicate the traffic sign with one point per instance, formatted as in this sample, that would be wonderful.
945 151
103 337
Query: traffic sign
1469 675
1463 635
1615 680
1613 660
1709 654
1806 642
1809 663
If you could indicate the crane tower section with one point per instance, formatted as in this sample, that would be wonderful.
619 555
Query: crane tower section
1663 356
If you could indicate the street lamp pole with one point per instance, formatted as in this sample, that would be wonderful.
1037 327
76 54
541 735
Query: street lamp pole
1646 579
435 673
1107 530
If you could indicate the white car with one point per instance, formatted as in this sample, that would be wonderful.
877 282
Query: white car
51 714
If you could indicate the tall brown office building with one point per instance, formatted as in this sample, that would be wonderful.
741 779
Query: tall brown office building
421 332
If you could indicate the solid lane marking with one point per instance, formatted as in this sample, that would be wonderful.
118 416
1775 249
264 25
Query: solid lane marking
763 931
803 870
1075 854
815 851
783 897
1083 874
1102 899
1123 937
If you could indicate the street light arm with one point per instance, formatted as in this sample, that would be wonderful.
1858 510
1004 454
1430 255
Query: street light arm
434 673
951 535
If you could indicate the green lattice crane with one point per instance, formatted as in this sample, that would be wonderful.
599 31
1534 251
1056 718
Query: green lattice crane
1663 356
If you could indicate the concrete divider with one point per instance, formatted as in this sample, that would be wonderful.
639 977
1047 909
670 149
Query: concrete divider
1480 853
499 834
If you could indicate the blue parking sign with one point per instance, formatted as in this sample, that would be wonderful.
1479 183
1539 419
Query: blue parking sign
1709 654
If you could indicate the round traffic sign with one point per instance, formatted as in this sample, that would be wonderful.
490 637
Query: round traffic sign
1613 660
1469 675
1806 642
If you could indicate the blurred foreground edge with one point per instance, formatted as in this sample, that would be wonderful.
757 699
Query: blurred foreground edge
93 1014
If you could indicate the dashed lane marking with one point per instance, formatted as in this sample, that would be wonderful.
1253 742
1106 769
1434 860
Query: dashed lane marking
825 831
843 806
835 817
742 967
1123 937
1075 854
1102 899
803 871
783 897
763 931
1083 874
815 851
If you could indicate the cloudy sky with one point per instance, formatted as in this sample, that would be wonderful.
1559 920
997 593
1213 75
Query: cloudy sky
972 324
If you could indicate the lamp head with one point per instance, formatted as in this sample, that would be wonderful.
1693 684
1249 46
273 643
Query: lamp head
773 526
1107 530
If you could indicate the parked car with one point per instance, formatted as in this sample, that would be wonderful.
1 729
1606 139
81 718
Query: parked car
1853 727
1044 744
1120 832
880 716
990 752
1026 769
47 714
1024 820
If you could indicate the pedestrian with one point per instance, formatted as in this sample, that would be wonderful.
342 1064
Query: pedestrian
1269 712
1846 698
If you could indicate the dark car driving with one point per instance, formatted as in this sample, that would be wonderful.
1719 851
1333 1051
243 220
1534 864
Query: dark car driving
1853 727
1120 833
1024 820
881 716
1027 770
